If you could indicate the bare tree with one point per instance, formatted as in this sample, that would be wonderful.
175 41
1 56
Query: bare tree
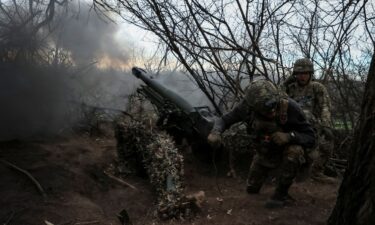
223 44
219 43
355 202
23 27
327 33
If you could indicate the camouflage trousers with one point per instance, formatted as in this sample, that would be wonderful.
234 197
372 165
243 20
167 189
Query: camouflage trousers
288 159
153 151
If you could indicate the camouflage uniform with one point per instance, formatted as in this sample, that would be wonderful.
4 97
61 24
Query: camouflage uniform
140 147
263 96
313 98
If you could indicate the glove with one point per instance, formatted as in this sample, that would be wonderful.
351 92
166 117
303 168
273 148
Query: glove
214 139
327 132
280 138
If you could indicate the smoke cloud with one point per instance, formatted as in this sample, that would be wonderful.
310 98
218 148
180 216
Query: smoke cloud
41 99
89 36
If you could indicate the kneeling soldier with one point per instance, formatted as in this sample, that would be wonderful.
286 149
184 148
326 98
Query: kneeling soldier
282 137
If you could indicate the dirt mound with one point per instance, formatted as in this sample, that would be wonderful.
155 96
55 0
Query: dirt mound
71 173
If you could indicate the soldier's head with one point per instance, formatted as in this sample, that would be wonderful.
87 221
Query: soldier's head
303 70
263 97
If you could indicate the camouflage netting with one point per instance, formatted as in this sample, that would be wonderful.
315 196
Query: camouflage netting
238 143
238 139
138 143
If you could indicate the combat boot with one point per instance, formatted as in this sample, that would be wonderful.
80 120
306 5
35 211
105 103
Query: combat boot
280 198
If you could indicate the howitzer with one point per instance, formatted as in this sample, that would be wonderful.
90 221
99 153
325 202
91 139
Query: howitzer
175 113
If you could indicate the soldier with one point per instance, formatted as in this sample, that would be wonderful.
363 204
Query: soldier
313 98
282 135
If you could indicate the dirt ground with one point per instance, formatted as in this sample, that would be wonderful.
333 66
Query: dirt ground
71 172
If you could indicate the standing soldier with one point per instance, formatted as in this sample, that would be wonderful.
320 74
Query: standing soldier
282 136
313 98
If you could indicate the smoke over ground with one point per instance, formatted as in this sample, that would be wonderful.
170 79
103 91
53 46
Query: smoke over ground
41 95
38 103
89 36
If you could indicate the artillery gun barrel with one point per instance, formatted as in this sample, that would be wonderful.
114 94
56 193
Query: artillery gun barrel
165 92
200 119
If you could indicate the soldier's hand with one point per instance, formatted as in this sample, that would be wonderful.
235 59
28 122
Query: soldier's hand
280 138
214 139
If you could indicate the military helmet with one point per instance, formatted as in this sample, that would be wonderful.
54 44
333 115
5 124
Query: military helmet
303 65
262 96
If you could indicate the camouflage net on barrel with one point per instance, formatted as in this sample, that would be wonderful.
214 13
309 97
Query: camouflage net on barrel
156 151
237 142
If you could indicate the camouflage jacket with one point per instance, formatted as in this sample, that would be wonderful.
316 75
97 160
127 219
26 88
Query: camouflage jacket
296 122
314 101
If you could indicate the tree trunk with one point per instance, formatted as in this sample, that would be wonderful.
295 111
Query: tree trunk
355 203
